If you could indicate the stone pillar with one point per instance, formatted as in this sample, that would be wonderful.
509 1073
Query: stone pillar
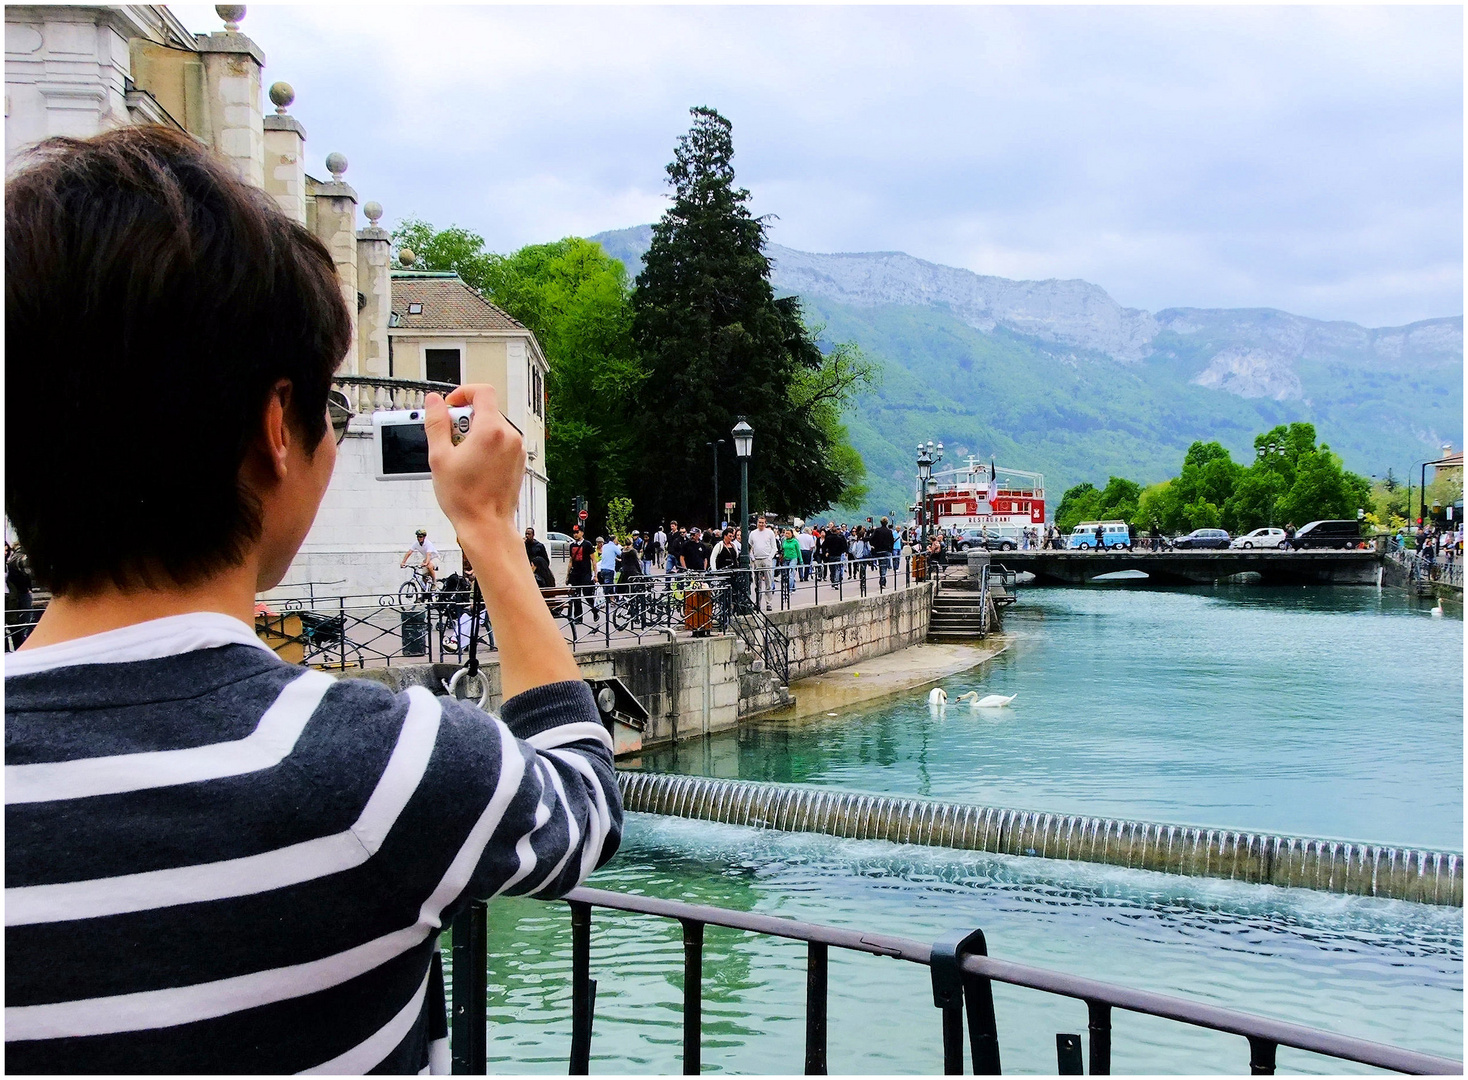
285 161
374 282
333 218
232 64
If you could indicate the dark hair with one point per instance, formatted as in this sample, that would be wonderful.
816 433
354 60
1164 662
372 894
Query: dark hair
152 301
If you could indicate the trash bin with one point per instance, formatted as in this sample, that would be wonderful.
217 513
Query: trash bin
415 633
698 610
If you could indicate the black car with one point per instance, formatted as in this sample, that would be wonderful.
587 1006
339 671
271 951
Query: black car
1327 534
1203 538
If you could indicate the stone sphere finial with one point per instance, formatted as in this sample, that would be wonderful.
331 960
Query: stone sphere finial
231 14
281 95
372 211
406 257
336 164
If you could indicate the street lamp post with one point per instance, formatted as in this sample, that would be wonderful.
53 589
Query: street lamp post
925 471
743 447
718 507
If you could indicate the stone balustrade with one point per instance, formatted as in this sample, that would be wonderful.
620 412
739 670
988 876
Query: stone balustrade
369 395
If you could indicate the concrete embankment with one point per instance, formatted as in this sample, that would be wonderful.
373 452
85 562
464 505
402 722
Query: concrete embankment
1429 877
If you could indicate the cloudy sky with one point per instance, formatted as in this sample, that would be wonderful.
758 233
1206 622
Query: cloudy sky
1309 159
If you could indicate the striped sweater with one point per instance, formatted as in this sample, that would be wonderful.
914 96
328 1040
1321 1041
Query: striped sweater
218 862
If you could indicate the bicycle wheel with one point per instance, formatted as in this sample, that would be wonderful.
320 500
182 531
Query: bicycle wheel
409 592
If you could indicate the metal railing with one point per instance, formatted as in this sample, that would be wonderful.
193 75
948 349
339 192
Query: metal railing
962 973
1442 570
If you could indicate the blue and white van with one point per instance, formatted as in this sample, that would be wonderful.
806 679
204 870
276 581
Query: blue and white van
1114 534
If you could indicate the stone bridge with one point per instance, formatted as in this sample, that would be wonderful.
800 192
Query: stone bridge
1199 567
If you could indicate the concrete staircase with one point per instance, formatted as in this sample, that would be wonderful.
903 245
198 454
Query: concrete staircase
958 615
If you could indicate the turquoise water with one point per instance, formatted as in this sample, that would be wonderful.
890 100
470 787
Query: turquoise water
1324 712
1329 712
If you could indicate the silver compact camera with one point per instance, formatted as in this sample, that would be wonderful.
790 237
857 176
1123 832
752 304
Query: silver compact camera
400 441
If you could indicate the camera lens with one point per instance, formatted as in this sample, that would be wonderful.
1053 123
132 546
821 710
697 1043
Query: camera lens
412 416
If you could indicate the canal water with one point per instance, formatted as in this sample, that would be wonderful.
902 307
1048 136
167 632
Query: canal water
1325 712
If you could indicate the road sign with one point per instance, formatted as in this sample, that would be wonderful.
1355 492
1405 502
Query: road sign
728 508
582 515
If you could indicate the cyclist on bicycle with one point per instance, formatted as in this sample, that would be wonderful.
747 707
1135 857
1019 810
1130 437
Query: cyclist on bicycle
425 548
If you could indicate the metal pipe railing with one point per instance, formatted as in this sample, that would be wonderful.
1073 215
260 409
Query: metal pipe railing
962 975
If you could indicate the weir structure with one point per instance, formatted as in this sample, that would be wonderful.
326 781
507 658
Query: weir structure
1398 873
1202 567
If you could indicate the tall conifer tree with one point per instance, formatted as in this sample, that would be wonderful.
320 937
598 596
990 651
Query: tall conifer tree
716 344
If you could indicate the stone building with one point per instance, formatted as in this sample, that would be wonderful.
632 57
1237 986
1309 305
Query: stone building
79 70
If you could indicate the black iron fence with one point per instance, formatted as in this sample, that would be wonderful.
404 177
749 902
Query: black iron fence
313 625
1444 569
962 972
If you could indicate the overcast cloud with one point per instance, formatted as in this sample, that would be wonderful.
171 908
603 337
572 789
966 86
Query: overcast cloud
1303 158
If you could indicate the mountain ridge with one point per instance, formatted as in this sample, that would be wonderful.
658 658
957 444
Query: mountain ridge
1061 378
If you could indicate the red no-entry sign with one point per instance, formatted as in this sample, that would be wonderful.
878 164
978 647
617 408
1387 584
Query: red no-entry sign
582 515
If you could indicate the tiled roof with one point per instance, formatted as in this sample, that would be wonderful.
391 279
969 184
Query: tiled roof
448 304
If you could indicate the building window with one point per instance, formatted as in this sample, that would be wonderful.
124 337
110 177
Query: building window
415 309
442 365
537 392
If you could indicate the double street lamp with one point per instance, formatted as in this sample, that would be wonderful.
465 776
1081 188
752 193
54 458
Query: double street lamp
928 456
743 448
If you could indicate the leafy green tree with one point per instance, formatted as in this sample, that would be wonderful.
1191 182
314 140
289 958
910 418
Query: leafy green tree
1078 504
619 518
718 345
454 248
824 392
1157 508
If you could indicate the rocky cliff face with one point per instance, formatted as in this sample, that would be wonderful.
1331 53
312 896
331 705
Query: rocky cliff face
1073 313
1249 352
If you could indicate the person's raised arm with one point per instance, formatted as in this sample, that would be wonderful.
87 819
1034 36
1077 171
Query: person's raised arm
477 483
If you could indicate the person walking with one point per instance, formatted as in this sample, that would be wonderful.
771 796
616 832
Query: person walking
659 546
19 601
860 551
807 544
606 567
534 549
694 553
579 574
790 562
724 556
883 545
764 545
833 551
672 550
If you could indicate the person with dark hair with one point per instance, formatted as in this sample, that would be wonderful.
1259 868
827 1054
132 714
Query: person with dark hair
217 861
579 560
19 603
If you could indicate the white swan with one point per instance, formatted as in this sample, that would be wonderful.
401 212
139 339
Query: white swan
994 701
937 696
1437 611
971 697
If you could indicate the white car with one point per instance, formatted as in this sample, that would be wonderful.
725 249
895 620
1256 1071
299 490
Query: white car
1260 538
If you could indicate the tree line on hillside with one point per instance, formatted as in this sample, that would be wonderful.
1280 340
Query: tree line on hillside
643 376
1290 481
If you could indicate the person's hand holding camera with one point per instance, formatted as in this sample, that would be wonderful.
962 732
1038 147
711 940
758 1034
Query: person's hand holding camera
477 483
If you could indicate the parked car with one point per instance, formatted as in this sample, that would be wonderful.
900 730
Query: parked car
1114 534
1328 534
1203 538
1261 538
559 545
975 536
